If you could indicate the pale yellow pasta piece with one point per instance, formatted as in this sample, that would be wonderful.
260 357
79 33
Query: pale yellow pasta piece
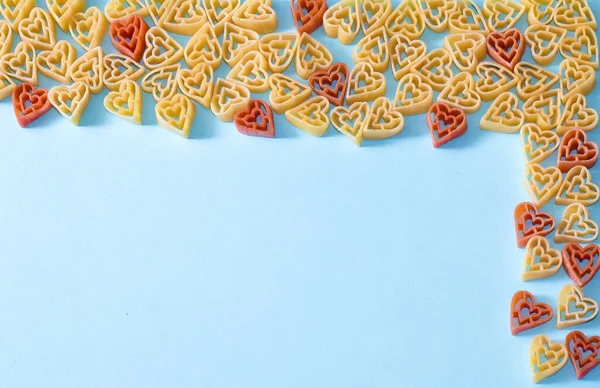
460 92
311 56
502 14
493 79
126 102
13 11
63 10
228 98
204 47
279 50
373 13
256 15
373 49
197 83
544 41
238 42
183 17
574 308
572 14
6 37
546 357
70 101
119 9
161 49
543 109
467 50
582 47
350 120
383 121
311 116
538 144
38 29
437 13
577 114
286 93
118 68
365 84
161 82
541 261
156 8
577 187
220 12
533 80
503 115
413 95
252 72
540 11
467 17
176 114
88 28
55 63
89 68
406 19
405 54
21 64
435 68
342 21
576 78
541 183
576 226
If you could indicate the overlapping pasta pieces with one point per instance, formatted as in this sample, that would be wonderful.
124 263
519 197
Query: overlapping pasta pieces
541 183
436 13
238 42
413 95
467 50
13 11
540 11
183 17
467 17
118 68
70 101
503 115
88 28
406 19
342 21
541 261
161 82
435 68
533 80
502 14
251 72
256 15
373 13
126 102
383 121
311 116
545 41
350 121
279 50
6 37
365 84
543 109
460 92
574 308
546 357
204 47
55 63
156 9
286 93
576 226
38 28
311 56
197 83
572 14
62 11
161 49
582 47
89 68
538 144
220 12
404 54
373 49
331 83
577 187
228 98
118 9
176 114
493 80
21 64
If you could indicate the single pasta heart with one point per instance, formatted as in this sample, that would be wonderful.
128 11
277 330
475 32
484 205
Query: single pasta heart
576 150
308 14
129 36
526 313
446 123
529 222
29 103
256 119
331 83
506 47
581 263
584 352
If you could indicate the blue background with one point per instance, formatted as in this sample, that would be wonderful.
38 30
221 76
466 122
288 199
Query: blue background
131 257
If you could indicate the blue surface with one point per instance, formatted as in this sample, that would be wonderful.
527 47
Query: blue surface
131 257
